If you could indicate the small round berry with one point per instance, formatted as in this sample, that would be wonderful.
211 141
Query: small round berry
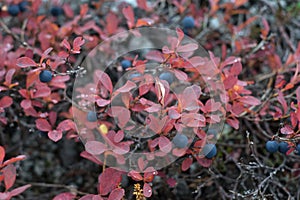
45 76
167 76
283 147
125 64
272 146
91 116
23 6
180 140
13 10
210 151
298 149
188 22
56 11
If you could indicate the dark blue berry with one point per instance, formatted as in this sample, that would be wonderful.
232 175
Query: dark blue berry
91 116
283 147
125 64
210 151
188 22
167 76
272 146
56 11
23 6
180 140
298 149
45 76
13 10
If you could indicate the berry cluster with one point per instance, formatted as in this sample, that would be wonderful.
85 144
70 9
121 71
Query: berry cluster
282 147
15 9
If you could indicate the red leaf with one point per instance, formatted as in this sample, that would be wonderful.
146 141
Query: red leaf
5 195
211 106
233 122
171 182
173 114
55 135
179 152
230 81
147 190
135 175
84 9
13 160
116 194
286 130
196 61
246 23
236 68
122 147
204 162
95 147
155 55
66 125
122 114
104 79
8 77
68 11
186 164
144 22
141 163
282 101
180 34
250 100
142 4
127 87
102 102
91 197
43 125
129 15
119 136
19 190
193 119
9 173
298 95
229 61
77 43
181 75
52 118
65 196
41 91
111 23
109 180
155 124
5 102
144 88
45 54
164 144
90 157
187 47
2 154
66 44
25 62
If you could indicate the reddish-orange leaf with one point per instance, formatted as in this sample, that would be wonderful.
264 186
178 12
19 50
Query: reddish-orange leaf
9 173
2 154
25 62
129 15
43 125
